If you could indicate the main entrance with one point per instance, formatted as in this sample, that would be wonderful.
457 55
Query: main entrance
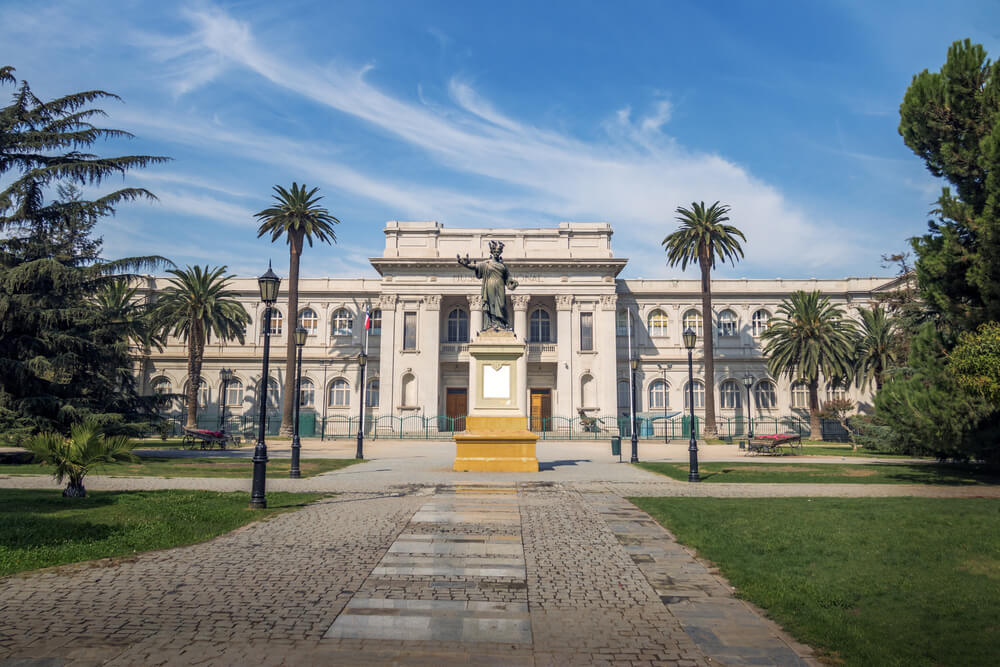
456 407
541 409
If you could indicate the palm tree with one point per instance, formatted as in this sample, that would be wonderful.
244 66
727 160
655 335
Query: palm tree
297 216
876 349
121 308
810 337
195 305
703 239
73 457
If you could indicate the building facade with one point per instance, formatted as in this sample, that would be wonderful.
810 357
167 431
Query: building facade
570 307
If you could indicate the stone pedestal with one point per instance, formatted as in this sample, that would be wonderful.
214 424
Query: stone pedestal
496 438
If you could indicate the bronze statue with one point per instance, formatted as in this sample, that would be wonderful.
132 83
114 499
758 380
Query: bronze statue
496 281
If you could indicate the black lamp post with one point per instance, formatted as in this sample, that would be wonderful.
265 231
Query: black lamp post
360 454
666 431
748 383
690 339
634 363
300 341
227 376
268 283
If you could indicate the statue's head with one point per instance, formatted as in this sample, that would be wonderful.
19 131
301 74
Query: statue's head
496 248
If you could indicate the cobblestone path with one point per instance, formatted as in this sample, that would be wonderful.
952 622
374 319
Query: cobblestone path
526 574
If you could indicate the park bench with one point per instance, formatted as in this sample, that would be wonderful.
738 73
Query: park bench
770 444
207 439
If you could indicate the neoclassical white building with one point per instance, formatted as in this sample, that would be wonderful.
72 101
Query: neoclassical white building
570 307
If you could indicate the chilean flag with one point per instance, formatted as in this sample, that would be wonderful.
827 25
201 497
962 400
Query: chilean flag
368 319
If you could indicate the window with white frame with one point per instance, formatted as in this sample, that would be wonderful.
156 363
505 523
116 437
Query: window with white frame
161 386
376 325
277 322
800 395
586 331
729 394
657 323
727 323
342 323
760 322
458 326
692 320
658 395
767 397
621 323
623 394
539 326
340 394
410 330
309 320
699 395
307 393
371 394
835 391
234 392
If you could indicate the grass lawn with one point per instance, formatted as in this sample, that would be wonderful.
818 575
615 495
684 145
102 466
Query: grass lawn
886 581
829 449
159 466
788 471
40 528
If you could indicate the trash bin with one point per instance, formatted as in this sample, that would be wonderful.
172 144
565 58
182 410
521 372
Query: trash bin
616 445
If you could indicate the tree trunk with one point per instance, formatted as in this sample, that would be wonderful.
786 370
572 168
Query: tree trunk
287 404
708 343
196 354
75 488
815 429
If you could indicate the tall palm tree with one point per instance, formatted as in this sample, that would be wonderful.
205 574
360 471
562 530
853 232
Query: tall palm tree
703 239
876 351
810 337
193 307
296 215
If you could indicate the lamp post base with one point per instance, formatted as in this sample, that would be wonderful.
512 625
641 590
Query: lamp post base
293 471
360 453
258 500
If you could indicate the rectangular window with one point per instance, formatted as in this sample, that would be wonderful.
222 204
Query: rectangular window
586 331
409 331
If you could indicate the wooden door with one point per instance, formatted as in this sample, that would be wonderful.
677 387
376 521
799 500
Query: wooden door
456 407
541 409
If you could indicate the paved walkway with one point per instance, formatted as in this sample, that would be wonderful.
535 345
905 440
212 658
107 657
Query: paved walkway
415 564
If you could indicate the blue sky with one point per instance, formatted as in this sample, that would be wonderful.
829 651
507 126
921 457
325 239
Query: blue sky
509 114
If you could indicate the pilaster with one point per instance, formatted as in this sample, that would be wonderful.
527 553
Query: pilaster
607 363
429 344
387 354
475 326
520 302
564 371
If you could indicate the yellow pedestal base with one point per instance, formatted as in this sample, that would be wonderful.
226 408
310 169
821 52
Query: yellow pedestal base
495 444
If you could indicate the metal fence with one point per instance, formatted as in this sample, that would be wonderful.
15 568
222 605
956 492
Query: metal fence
441 427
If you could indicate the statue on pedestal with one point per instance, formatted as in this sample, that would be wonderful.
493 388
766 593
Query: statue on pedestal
496 281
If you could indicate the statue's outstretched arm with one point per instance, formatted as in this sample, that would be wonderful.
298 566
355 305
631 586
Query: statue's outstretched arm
466 262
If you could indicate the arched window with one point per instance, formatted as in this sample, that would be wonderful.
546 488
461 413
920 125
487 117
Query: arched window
540 330
623 398
692 320
342 323
621 323
800 395
729 394
276 322
409 392
309 320
727 323
340 394
760 322
234 392
273 394
835 391
371 394
376 325
767 397
657 323
458 326
161 386
659 398
699 395
588 391
307 393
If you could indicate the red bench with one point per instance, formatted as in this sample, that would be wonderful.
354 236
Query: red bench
769 444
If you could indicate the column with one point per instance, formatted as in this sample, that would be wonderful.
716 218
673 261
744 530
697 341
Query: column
429 344
388 351
475 326
564 376
606 368
520 302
